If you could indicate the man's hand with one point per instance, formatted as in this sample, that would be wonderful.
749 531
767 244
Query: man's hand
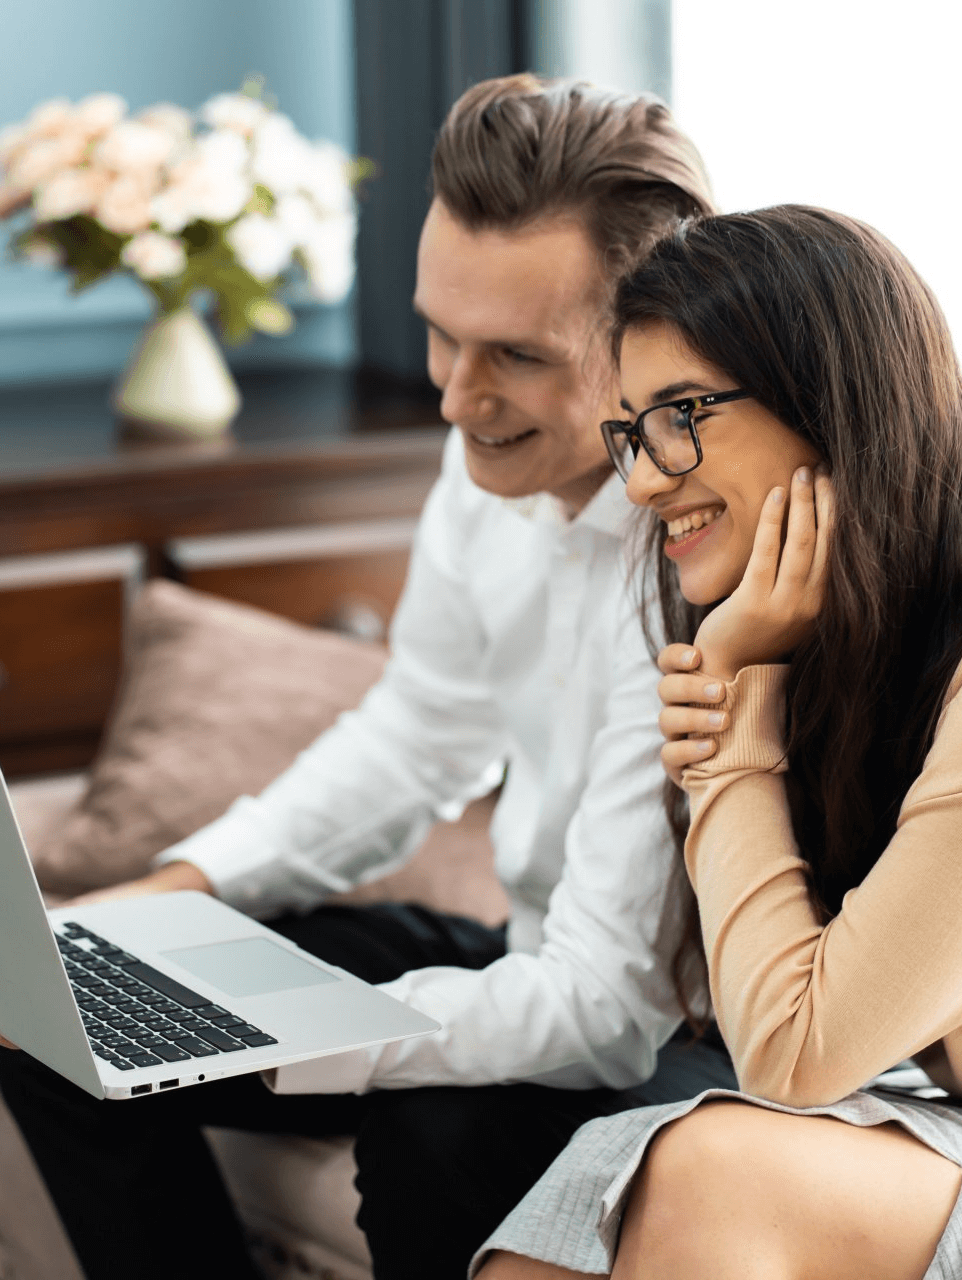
167 879
775 605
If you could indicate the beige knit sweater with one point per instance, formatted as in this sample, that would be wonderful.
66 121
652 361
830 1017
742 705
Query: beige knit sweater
811 1013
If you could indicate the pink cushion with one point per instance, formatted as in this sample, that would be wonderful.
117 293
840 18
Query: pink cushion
217 699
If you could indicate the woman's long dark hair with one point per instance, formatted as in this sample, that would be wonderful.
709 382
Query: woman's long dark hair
833 332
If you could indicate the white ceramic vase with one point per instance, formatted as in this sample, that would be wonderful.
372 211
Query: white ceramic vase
177 381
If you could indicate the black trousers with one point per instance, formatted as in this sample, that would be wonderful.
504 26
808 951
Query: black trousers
139 1192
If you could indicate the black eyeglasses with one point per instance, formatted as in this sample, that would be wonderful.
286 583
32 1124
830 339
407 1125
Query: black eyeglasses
666 432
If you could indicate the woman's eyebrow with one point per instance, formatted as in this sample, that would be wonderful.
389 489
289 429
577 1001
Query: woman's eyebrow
677 389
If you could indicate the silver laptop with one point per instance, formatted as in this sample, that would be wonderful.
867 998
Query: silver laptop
131 997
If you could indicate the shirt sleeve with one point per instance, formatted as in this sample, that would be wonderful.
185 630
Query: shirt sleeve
594 1004
361 798
812 1012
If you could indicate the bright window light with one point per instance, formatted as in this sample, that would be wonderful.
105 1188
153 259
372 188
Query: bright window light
853 105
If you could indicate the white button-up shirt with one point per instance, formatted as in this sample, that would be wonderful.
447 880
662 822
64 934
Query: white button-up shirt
516 641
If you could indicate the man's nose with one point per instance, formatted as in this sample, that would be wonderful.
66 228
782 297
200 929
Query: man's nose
468 394
646 482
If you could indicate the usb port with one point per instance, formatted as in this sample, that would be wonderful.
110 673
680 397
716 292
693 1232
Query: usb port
138 1089
169 1084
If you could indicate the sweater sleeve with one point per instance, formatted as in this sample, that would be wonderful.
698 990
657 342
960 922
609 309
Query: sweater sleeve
811 1013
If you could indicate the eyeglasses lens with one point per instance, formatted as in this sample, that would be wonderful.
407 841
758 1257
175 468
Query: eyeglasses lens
669 439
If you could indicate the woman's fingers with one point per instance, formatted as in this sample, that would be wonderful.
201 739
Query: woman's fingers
6 1044
696 688
678 657
795 566
680 721
825 517
762 567
680 755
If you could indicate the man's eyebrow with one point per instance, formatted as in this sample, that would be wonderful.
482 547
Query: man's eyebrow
541 349
419 311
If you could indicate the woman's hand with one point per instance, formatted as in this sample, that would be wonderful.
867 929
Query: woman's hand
687 728
775 605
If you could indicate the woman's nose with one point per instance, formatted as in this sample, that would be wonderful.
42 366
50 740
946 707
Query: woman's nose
646 482
467 395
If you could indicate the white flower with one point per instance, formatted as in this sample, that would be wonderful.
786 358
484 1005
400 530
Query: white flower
210 182
223 150
125 207
154 256
234 111
133 145
41 160
262 245
50 118
68 193
173 120
42 254
325 178
328 254
13 139
99 112
296 215
281 155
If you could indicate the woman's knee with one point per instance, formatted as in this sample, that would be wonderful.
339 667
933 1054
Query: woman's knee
805 1195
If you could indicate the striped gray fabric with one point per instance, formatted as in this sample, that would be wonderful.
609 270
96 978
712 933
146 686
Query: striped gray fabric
571 1217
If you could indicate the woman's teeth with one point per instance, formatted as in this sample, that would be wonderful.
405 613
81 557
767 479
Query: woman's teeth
499 440
680 528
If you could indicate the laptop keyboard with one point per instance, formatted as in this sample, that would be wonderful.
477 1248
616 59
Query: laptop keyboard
135 1016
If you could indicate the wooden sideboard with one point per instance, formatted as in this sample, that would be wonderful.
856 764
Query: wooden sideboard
307 508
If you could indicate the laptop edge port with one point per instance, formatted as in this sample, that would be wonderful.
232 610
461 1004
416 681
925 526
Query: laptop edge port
139 1089
168 1084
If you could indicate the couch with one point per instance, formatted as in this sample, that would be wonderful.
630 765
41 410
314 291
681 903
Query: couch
295 1196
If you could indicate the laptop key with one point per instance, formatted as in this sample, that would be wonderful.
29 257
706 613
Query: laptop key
144 1059
238 1028
220 1040
166 986
74 930
194 1025
167 1028
212 1012
261 1038
170 1053
196 1048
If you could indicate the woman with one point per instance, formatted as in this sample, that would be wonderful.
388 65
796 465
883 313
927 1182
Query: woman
815 724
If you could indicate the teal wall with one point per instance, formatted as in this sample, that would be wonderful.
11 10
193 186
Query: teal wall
181 51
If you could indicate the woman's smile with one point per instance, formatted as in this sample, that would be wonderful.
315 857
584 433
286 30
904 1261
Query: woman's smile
689 531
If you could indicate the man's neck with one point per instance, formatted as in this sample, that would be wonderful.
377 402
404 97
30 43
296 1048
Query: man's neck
574 497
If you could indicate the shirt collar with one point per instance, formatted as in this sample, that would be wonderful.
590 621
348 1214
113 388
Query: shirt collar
609 511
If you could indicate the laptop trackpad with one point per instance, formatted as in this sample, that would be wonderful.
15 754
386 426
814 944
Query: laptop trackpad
249 967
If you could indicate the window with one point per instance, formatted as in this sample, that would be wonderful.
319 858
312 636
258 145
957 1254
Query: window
838 103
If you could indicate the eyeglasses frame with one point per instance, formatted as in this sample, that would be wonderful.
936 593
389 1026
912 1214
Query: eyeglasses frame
634 431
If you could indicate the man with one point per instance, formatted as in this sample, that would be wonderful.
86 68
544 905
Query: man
515 642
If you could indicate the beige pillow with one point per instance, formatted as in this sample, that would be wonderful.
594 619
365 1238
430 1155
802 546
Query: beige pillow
217 699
